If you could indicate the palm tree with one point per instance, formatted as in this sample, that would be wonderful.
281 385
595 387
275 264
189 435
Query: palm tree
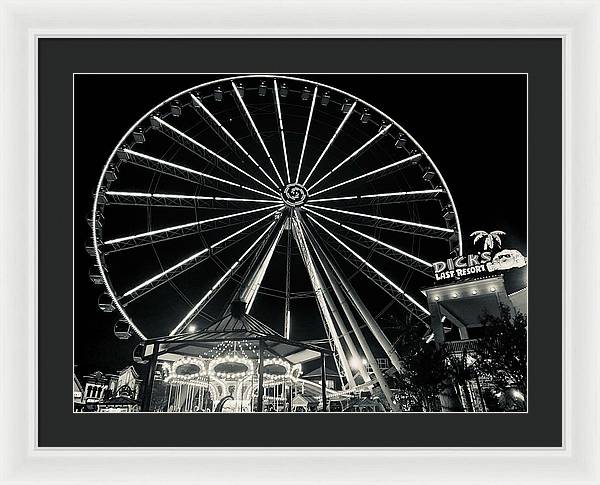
490 238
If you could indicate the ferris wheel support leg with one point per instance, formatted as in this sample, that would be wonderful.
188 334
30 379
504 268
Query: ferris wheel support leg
345 334
287 317
337 317
327 265
369 320
344 331
319 289
251 289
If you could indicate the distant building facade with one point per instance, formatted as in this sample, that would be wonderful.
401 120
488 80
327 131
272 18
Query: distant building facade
120 392
457 309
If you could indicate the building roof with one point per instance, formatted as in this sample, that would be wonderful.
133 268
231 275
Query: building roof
119 401
363 402
304 399
76 384
469 311
519 300
317 373
133 371
459 284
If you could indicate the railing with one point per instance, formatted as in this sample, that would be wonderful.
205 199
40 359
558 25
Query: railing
461 345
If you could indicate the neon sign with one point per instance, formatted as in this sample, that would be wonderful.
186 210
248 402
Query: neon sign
480 263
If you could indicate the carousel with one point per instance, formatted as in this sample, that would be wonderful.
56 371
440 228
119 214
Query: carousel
237 364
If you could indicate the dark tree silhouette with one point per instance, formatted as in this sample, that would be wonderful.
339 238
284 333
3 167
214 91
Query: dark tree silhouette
424 366
501 356
462 370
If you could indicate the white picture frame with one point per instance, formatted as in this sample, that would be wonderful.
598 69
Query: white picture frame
576 22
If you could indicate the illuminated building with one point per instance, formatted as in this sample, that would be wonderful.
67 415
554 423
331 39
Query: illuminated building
119 392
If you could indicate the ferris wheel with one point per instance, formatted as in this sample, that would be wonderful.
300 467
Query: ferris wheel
240 171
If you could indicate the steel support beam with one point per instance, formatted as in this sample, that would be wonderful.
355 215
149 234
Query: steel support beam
281 130
204 152
396 254
319 289
399 225
368 318
244 109
287 318
331 140
219 284
345 333
188 263
250 290
323 382
217 126
377 277
378 172
310 115
328 268
356 153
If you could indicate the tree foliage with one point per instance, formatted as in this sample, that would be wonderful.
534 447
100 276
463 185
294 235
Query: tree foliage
501 354
500 360
424 369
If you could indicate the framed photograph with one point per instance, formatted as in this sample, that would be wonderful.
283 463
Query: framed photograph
251 245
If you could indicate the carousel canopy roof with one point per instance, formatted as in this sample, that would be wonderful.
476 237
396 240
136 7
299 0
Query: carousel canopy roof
235 327
244 327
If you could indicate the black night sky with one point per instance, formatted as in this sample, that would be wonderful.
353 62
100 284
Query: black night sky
474 128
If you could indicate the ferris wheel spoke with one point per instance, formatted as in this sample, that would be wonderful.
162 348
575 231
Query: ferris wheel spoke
212 120
176 200
202 151
244 109
353 155
169 168
385 198
281 132
393 224
378 277
310 115
219 283
188 263
373 173
173 232
383 248
331 140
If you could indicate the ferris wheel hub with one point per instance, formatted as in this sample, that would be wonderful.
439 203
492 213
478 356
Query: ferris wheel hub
294 195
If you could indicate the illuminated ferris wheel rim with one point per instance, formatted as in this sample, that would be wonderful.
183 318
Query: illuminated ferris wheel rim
284 196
